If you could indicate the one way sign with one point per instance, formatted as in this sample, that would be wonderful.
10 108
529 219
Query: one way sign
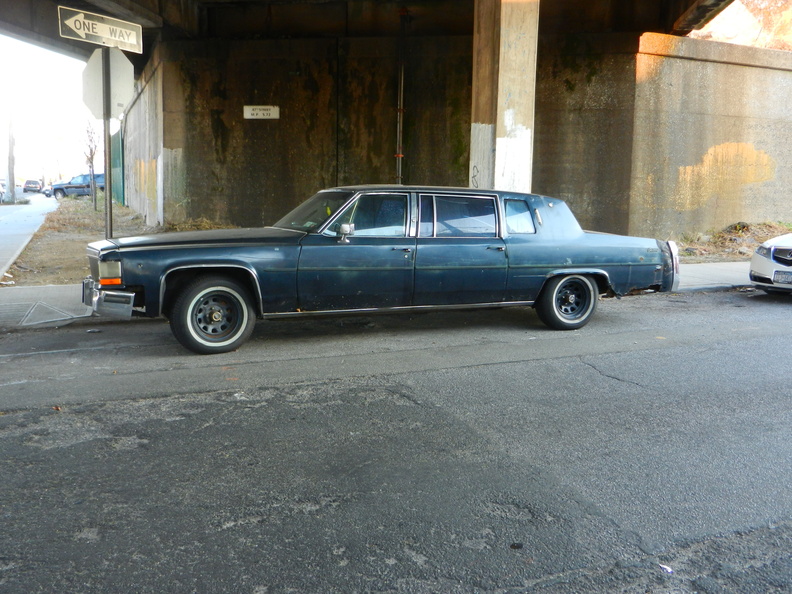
99 29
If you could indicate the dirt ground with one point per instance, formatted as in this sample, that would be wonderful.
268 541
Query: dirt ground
56 254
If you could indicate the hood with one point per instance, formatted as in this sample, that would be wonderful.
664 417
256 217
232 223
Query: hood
781 240
258 235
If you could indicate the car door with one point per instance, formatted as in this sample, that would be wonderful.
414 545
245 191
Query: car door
370 268
460 255
76 185
530 257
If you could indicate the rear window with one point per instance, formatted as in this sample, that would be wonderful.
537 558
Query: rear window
518 217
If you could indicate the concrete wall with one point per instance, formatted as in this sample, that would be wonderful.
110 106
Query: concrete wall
142 136
235 170
713 128
338 112
664 136
648 135
585 108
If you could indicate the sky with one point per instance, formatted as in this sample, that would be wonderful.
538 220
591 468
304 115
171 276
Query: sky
758 23
41 95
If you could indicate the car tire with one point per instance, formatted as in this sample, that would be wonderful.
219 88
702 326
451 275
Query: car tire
60 194
567 302
213 315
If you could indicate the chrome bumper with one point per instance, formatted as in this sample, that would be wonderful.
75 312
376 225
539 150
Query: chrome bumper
670 265
115 304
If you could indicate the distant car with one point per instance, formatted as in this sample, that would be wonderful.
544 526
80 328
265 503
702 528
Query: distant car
771 265
47 191
375 248
79 185
32 185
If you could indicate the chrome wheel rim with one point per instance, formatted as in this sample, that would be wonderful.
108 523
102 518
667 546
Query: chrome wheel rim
217 315
572 299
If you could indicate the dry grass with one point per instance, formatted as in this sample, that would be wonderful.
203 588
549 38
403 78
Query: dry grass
195 225
77 215
56 254
73 216
734 243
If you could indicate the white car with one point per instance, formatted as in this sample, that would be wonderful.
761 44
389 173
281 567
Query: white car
771 265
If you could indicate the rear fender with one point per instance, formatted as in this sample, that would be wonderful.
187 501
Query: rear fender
601 277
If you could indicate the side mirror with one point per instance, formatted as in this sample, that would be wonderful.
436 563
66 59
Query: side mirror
346 229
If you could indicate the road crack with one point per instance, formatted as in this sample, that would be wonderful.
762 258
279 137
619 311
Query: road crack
609 376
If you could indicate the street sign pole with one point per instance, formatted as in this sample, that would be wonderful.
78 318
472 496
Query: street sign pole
96 28
109 33
107 145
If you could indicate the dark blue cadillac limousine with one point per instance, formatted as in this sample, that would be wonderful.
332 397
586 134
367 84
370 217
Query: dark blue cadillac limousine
375 248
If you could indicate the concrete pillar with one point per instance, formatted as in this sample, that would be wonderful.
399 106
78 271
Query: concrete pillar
505 39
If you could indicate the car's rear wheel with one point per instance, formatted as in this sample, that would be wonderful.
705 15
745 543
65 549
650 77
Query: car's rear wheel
567 302
213 315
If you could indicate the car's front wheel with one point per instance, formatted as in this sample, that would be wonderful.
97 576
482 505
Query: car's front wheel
60 194
567 302
213 315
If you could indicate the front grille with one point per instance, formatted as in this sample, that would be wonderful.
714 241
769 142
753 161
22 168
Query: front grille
783 256
758 278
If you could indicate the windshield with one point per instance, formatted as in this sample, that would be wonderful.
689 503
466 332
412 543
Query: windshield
315 212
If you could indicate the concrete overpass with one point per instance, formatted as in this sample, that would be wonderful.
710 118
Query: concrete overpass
36 21
565 98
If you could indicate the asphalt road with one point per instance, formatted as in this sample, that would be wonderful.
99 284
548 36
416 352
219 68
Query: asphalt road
455 452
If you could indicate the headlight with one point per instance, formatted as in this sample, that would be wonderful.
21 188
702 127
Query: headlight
110 273
763 251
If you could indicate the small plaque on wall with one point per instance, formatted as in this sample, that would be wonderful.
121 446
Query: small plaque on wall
262 112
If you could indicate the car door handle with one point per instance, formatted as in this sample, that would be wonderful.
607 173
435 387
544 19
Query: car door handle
408 250
500 248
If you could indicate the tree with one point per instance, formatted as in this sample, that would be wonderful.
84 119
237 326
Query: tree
90 155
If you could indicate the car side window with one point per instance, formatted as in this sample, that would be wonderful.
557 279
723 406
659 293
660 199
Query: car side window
376 215
462 216
518 217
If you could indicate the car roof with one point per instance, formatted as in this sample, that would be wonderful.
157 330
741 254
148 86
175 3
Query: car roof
439 189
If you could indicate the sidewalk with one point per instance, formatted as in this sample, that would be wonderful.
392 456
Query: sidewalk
52 306
32 307
18 224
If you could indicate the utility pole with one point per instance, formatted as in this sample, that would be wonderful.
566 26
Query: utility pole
10 183
106 100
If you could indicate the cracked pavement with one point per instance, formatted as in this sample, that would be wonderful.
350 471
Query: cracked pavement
459 453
